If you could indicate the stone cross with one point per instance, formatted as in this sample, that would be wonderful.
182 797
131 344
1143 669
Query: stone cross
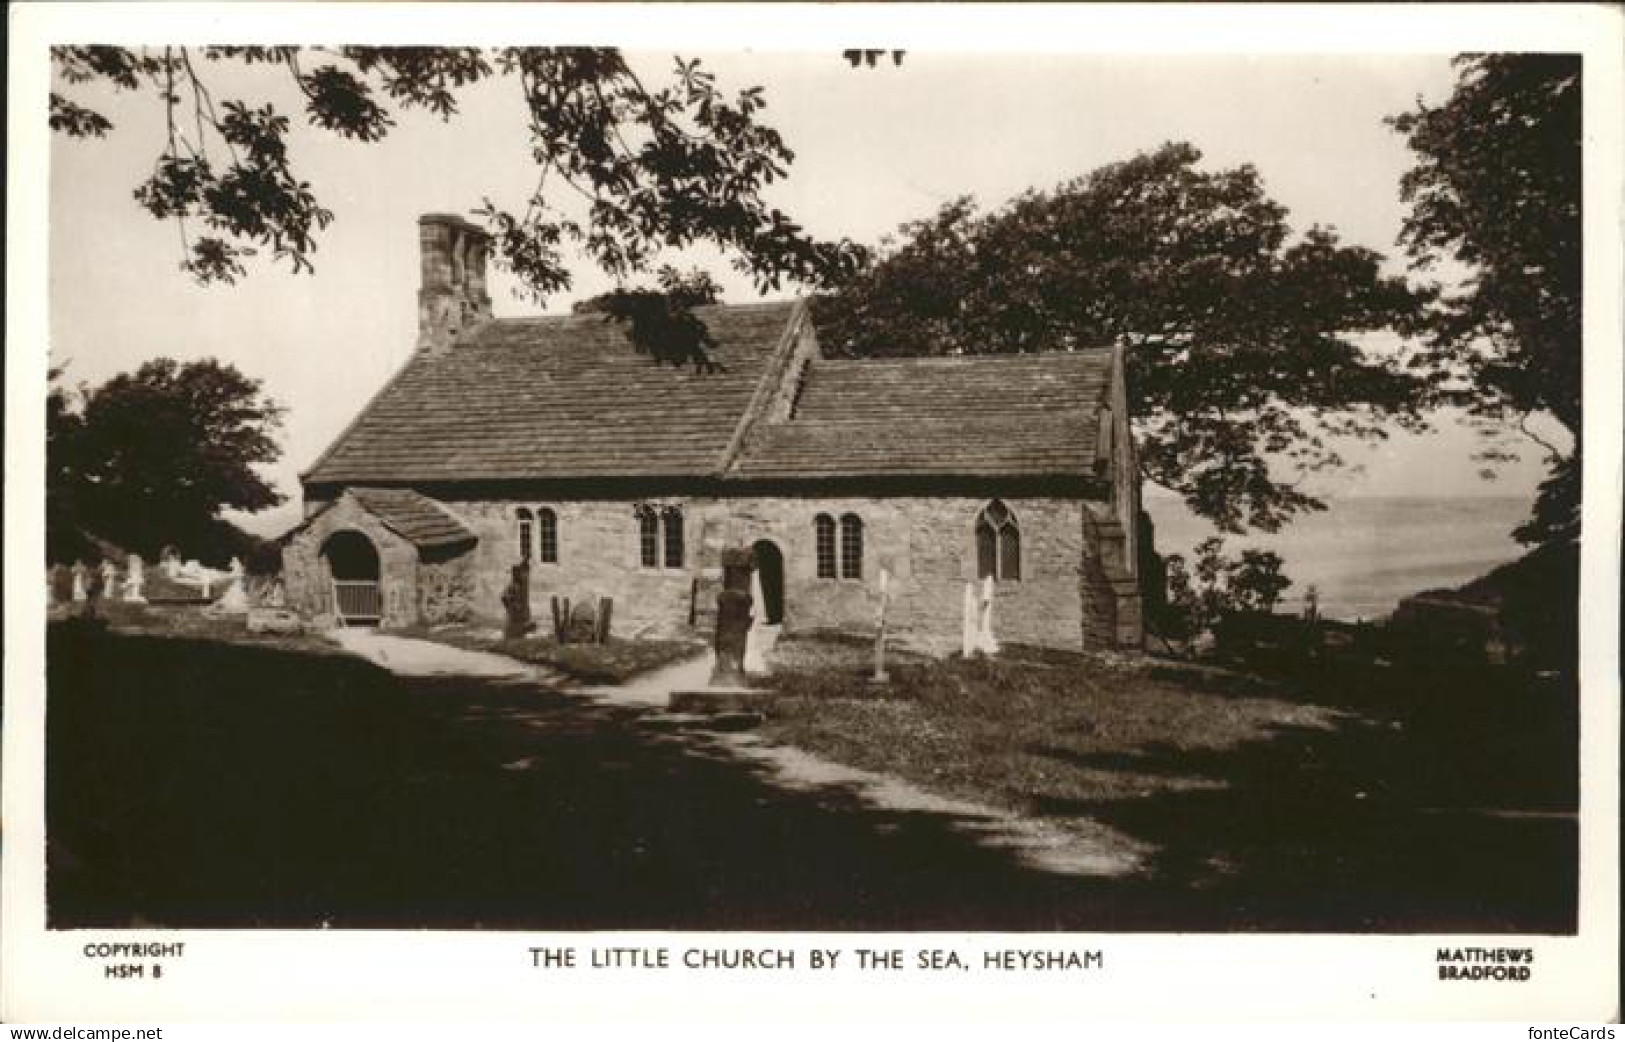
79 592
134 579
109 579
733 619
985 641
880 630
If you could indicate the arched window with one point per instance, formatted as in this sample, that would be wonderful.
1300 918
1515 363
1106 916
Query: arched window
672 518
648 537
851 546
547 535
998 543
824 545
526 530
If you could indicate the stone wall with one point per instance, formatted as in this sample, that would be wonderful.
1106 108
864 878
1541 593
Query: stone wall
445 587
926 542
1077 589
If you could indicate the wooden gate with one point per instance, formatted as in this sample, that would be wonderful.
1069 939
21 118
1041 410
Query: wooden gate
357 602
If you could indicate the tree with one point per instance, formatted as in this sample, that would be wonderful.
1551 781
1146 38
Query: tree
1216 588
1237 336
661 322
64 428
643 168
152 457
1496 187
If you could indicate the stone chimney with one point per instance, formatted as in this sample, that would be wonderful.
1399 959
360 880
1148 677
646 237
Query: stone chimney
452 295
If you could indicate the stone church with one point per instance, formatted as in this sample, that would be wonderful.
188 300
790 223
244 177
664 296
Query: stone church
552 440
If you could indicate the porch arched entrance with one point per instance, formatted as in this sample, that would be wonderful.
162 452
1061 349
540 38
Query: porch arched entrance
352 561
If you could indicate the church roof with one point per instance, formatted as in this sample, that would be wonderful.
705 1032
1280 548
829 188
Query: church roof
414 517
560 397
965 416
569 398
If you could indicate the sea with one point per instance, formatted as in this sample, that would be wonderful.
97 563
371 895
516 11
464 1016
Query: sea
1366 553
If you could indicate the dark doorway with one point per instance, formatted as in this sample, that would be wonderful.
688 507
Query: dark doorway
353 562
769 564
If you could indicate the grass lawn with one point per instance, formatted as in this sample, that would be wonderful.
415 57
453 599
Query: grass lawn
1025 730
1359 792
188 621
611 663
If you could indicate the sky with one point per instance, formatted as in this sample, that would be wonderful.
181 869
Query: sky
875 147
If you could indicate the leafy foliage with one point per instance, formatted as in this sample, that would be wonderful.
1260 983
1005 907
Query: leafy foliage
624 170
151 458
1237 336
1215 587
661 322
1497 187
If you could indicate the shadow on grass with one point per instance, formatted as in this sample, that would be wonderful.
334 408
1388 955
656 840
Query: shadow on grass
1449 809
201 784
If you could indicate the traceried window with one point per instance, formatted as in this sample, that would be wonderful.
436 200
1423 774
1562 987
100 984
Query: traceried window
526 530
851 546
547 535
824 545
998 543
660 536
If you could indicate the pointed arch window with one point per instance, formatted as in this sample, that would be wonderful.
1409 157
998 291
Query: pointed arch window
824 545
525 524
998 543
547 535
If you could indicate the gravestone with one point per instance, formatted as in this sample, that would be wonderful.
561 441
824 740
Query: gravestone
135 577
79 573
234 601
733 619
516 602
94 585
61 584
583 628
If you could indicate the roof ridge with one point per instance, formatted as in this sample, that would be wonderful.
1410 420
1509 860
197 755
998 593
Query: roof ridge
587 316
1002 356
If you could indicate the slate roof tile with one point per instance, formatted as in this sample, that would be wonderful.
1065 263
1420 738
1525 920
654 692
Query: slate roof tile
569 397
415 517
558 397
969 416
